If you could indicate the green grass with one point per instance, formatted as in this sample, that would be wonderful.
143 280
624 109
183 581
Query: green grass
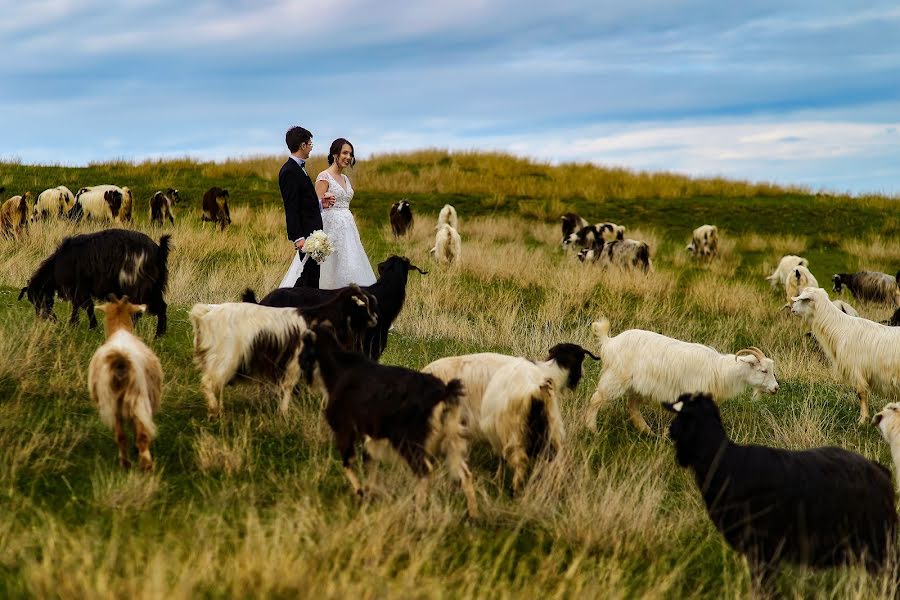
255 504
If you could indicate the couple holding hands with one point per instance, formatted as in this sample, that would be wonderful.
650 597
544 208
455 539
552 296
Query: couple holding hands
323 205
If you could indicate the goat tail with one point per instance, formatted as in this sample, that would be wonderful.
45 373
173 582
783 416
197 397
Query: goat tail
455 392
537 432
601 330
643 257
116 377
249 296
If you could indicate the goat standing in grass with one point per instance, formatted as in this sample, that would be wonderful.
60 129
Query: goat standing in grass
125 380
417 413
822 507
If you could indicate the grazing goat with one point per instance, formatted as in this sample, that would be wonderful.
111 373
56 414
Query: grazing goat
570 224
447 246
101 203
14 215
868 285
863 353
351 312
54 202
215 207
785 266
417 413
822 507
588 237
401 218
888 423
447 216
389 292
520 414
621 253
161 206
125 380
798 278
610 231
659 368
245 340
704 242
94 265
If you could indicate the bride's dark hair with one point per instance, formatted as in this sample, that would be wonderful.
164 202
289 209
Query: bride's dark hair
336 147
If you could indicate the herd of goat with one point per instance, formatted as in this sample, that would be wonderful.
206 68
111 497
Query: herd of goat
820 507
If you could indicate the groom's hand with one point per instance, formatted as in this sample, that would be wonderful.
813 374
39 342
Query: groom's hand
299 244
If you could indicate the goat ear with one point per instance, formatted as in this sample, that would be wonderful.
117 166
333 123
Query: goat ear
138 308
22 292
101 307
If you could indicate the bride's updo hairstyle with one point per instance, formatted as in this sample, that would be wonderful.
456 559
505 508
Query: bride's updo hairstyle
336 147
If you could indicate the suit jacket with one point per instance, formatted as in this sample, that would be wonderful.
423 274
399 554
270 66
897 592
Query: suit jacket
302 212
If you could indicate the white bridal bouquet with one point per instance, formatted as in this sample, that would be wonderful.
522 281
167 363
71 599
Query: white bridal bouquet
318 246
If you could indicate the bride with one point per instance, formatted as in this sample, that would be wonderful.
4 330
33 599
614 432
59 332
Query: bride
348 263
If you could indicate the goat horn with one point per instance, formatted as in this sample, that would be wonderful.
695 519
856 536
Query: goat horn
412 266
751 351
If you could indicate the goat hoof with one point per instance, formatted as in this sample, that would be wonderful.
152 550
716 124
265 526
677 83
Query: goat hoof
126 464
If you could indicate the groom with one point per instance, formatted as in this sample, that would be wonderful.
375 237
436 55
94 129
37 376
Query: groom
302 206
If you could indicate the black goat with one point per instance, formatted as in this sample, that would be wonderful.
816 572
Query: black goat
570 224
215 207
401 218
415 412
95 265
389 291
869 285
351 312
822 507
161 206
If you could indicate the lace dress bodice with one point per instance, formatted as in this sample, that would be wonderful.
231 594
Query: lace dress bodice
342 197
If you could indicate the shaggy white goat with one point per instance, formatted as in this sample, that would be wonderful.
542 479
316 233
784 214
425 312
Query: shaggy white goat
845 308
661 368
704 241
53 203
244 339
863 353
447 216
888 423
125 381
798 278
785 266
447 245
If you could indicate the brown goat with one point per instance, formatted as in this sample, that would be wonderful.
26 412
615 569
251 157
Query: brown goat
125 380
14 215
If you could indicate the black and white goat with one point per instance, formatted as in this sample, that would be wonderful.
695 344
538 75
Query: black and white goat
94 265
418 414
401 218
622 253
389 292
869 285
161 205
242 339
822 507
570 224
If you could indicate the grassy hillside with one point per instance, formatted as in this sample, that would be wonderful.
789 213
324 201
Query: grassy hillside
256 504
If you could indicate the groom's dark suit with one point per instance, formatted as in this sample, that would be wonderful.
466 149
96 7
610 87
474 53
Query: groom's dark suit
302 212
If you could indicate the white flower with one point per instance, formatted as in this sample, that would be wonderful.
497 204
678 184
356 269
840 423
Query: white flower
318 246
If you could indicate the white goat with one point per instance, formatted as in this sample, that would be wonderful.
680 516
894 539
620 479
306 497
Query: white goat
661 368
447 245
845 308
520 414
888 423
785 266
125 381
244 339
798 278
53 203
863 353
447 216
704 241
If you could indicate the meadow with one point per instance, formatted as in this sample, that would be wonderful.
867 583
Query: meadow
255 504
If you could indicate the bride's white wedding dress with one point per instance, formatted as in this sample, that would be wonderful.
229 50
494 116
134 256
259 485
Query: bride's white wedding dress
348 263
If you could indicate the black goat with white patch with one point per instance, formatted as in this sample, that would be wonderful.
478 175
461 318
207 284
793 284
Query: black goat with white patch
351 312
215 207
161 206
389 291
401 217
94 265
869 285
417 413
822 507
570 224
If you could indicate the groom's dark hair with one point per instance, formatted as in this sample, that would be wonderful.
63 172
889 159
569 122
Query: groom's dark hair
296 136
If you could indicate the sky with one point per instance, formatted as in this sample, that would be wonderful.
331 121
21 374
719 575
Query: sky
799 93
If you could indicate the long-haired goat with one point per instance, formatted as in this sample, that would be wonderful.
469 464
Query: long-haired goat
161 205
798 278
822 507
53 203
447 246
447 216
215 207
660 368
704 242
417 413
868 285
401 217
888 423
14 215
125 380
571 223
863 353
94 265
520 414
784 268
